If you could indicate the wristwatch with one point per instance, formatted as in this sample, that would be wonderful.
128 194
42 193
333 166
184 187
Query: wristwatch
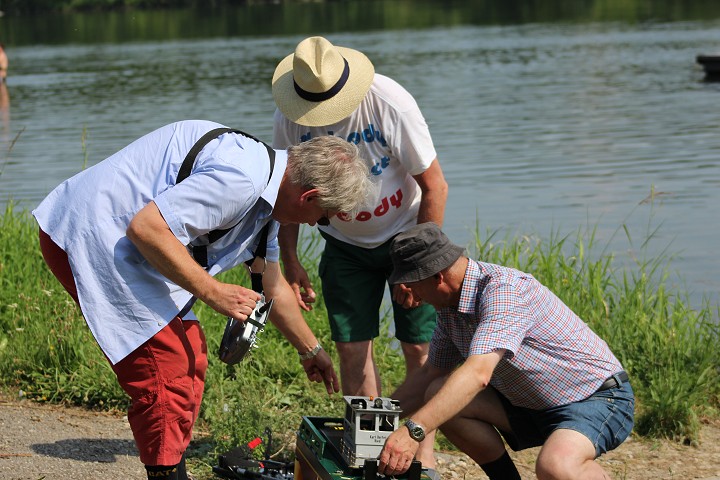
311 354
417 431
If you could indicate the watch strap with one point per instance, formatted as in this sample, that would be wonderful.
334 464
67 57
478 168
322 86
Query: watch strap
311 354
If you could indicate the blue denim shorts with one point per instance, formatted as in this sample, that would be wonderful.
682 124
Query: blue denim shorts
606 418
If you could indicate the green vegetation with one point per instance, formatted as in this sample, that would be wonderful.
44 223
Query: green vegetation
670 349
32 22
419 12
48 354
626 7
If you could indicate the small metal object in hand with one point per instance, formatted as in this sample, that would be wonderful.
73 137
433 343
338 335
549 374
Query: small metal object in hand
240 336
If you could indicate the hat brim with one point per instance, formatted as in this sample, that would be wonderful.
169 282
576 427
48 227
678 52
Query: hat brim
405 274
327 112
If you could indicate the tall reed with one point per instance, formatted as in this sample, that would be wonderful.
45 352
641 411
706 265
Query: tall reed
669 348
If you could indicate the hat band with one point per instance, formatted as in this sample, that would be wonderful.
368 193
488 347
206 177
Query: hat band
321 96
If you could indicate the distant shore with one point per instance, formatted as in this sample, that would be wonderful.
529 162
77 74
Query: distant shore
20 7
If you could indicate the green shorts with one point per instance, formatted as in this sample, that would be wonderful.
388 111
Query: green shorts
353 286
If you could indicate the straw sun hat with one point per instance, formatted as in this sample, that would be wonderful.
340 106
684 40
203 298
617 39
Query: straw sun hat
320 84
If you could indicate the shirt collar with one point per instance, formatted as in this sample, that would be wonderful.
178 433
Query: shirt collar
270 193
468 292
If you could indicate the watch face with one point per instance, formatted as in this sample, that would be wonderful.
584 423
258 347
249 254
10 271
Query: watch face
416 431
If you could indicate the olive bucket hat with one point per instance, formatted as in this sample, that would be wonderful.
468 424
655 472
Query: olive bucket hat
421 252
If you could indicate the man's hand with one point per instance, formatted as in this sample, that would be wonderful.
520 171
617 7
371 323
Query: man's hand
458 390
320 369
300 283
295 274
153 238
404 296
286 316
233 300
398 453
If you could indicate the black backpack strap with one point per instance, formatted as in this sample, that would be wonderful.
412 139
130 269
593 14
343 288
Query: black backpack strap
186 167
189 161
199 253
256 277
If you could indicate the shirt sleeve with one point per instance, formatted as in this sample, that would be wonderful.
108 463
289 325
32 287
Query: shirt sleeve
273 247
504 320
414 146
217 194
410 138
443 352
281 133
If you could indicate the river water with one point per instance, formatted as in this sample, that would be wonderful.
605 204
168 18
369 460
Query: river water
542 128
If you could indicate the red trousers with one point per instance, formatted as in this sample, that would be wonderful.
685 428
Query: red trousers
164 377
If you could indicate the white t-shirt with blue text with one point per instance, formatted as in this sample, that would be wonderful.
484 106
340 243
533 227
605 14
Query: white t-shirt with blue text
394 138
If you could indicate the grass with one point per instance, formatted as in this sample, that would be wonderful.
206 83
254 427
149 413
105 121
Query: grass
670 349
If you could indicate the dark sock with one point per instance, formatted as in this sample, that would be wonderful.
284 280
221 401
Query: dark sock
161 472
501 469
165 472
182 473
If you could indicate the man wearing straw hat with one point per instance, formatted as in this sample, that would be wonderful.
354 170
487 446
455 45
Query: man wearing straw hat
323 89
507 360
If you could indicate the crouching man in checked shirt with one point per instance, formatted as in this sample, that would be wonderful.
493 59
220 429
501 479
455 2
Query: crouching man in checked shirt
530 371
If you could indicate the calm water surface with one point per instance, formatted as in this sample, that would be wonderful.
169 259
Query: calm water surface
540 128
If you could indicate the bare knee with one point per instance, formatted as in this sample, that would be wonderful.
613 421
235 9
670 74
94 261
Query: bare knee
564 469
551 468
415 354
568 455
354 350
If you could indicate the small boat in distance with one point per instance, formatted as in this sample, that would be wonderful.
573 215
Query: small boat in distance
711 64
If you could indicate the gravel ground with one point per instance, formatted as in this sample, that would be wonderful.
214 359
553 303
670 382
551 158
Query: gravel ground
50 442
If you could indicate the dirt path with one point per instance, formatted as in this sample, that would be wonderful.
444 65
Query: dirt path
57 443
51 442
633 460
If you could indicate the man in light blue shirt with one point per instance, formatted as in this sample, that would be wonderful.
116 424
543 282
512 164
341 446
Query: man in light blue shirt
119 237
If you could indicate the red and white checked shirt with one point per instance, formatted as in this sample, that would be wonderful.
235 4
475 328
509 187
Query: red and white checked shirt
552 358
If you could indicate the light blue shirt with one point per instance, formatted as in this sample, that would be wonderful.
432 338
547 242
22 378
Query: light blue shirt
126 301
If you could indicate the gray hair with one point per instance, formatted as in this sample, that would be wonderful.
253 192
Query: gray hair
334 167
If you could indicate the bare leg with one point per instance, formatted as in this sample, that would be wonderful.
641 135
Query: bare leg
568 455
415 357
473 429
358 372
